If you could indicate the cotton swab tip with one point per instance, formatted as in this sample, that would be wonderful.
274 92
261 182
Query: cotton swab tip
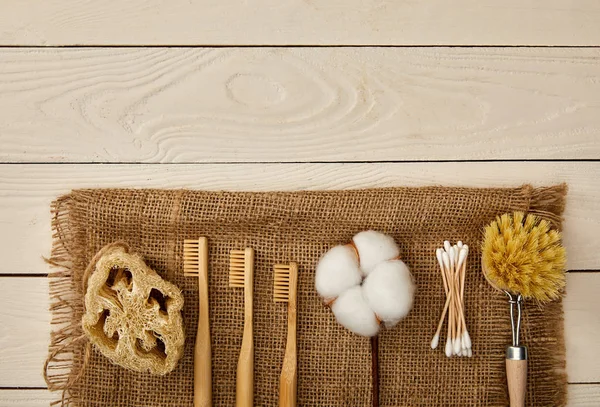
456 346
459 244
462 255
435 341
448 348
467 339
447 246
446 260
438 254
469 352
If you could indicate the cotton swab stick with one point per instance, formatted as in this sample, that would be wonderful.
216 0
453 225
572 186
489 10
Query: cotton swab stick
436 338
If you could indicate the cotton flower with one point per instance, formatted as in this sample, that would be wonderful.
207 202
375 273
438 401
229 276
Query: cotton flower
389 291
373 248
337 271
366 283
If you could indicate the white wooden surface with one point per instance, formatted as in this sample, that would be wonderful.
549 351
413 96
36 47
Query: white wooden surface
298 104
283 22
25 332
26 191
26 398
287 118
579 396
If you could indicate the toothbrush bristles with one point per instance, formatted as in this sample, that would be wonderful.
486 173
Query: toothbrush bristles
237 266
191 262
281 283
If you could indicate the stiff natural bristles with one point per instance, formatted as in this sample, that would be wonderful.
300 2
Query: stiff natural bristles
191 260
237 265
523 255
281 282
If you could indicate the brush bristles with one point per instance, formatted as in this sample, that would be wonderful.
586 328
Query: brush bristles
191 263
522 255
281 282
237 266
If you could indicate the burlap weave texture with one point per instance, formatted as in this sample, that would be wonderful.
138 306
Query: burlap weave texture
334 365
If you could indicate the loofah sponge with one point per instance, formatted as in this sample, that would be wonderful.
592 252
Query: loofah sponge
365 283
132 315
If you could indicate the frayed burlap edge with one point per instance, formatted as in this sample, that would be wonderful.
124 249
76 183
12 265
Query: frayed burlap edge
68 344
67 341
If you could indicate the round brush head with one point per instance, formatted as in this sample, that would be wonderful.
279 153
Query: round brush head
521 254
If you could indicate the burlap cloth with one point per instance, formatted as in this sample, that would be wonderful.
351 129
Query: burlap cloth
333 364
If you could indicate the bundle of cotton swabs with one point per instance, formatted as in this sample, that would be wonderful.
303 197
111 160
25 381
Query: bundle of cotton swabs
453 265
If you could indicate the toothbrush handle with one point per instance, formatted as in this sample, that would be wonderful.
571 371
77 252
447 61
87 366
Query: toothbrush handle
288 378
516 374
202 350
245 371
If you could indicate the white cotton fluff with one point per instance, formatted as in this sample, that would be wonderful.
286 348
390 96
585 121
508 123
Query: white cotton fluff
352 312
373 248
389 290
337 271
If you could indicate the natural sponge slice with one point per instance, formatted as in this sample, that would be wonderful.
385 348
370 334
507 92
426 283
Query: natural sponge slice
132 315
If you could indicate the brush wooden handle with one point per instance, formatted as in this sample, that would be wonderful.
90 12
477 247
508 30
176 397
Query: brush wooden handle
516 375
202 350
288 378
245 369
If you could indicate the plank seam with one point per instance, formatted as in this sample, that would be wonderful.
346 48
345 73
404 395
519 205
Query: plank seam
465 46
500 160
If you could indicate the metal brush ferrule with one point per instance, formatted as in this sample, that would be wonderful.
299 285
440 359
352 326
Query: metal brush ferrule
516 353
515 301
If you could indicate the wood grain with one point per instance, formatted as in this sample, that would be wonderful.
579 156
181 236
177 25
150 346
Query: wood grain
25 330
174 105
306 22
26 398
580 395
26 191
582 327
584 395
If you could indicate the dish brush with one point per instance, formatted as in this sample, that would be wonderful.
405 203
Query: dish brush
523 257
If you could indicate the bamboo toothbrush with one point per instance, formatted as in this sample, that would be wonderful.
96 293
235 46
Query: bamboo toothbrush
241 274
524 258
285 287
195 264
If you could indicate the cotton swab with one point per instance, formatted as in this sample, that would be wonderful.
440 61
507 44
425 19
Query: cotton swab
452 261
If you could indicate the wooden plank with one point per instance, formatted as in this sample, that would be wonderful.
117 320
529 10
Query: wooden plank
582 327
297 104
583 395
26 398
310 22
25 334
26 191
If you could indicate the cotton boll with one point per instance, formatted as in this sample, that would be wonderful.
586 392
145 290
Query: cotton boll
373 248
352 311
389 291
337 271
